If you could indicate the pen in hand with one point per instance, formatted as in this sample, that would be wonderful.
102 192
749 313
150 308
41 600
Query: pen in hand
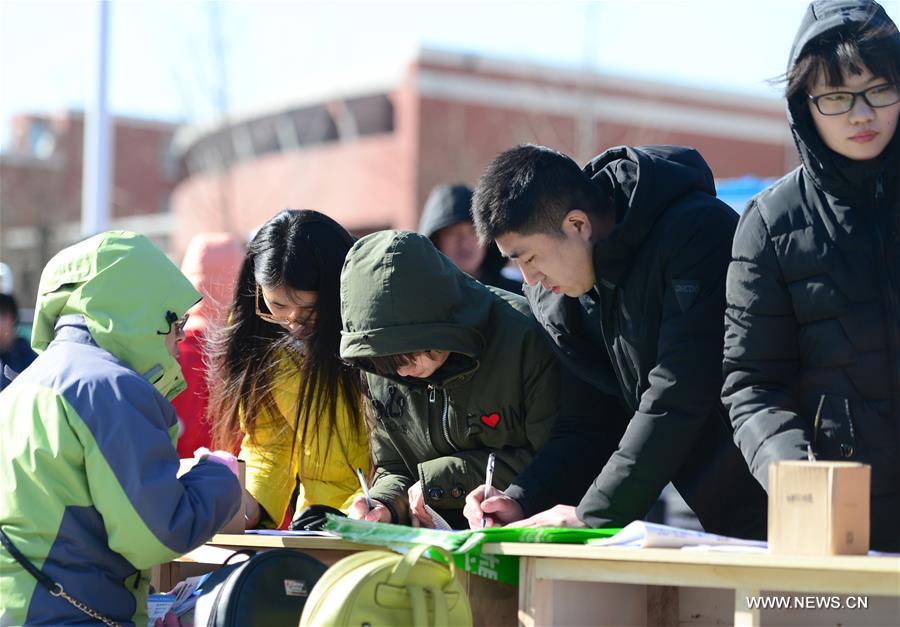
365 488
817 421
489 477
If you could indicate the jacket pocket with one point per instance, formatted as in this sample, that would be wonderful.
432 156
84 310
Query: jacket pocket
834 437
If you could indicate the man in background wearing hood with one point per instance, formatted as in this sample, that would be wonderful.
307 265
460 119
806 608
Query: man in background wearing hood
87 440
625 264
447 222
211 263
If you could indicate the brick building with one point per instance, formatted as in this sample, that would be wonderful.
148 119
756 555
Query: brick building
40 188
368 152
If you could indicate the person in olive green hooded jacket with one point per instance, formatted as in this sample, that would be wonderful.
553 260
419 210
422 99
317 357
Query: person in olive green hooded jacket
87 441
455 371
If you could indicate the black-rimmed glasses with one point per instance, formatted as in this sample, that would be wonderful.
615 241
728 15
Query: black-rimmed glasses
838 102
175 322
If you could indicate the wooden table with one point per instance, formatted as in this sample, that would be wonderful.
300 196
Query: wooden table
493 603
584 585
216 551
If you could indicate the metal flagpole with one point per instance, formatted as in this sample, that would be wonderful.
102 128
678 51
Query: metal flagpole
98 138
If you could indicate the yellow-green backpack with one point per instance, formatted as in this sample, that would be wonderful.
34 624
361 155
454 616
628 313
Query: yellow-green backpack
386 589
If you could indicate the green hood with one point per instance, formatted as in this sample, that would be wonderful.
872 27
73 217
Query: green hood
122 285
399 294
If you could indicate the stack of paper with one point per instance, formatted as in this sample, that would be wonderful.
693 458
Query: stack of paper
643 535
437 520
157 606
288 532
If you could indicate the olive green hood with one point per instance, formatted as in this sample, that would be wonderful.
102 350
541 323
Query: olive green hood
122 285
399 294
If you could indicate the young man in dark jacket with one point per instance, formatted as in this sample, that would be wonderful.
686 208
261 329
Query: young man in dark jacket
447 221
812 344
625 264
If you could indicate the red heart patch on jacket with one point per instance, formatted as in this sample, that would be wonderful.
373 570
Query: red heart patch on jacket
491 420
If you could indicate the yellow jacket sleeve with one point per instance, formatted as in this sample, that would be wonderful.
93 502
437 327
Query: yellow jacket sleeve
329 456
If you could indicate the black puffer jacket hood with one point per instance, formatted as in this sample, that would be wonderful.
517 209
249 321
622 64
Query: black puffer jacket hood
452 204
446 205
643 182
837 175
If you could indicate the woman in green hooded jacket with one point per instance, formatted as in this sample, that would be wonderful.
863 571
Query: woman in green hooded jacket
87 441
455 371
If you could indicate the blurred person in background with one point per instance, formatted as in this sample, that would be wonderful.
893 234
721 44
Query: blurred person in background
91 499
275 377
15 352
812 336
447 221
6 279
211 264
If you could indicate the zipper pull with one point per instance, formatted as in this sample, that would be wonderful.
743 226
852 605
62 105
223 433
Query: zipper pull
879 187
431 393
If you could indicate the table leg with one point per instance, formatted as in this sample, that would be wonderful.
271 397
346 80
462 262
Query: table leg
744 615
527 591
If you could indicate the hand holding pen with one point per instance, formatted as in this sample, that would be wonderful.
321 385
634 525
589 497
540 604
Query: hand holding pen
487 501
365 488
488 479
364 507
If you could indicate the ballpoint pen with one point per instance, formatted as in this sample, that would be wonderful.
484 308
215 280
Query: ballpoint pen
365 488
817 421
489 477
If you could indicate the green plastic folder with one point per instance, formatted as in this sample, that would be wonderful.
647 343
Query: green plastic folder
464 545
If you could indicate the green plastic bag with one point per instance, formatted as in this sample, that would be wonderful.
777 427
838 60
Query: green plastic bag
465 545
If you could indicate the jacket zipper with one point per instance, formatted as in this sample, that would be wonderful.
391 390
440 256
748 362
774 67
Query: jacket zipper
893 313
445 414
609 310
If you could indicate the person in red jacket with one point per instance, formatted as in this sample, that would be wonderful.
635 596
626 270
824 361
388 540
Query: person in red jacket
211 263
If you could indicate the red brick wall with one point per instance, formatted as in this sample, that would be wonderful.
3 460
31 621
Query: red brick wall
361 185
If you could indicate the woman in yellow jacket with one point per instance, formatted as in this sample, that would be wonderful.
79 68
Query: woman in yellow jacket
276 381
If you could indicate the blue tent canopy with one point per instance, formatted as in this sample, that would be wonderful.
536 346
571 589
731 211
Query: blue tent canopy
738 191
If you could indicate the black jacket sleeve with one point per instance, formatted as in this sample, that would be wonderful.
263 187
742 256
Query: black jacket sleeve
585 434
682 388
761 353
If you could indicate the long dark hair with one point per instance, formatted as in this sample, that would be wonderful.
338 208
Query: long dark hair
301 250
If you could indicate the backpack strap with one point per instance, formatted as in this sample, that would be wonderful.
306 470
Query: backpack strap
441 614
419 604
248 552
419 607
400 572
400 575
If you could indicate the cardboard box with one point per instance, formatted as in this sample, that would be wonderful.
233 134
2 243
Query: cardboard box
819 508
237 524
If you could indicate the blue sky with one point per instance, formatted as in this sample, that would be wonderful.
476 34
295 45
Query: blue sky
164 62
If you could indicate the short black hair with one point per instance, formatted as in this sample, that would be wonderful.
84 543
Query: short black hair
846 51
385 365
8 306
529 189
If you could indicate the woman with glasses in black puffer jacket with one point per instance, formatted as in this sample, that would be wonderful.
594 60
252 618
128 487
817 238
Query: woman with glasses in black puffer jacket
812 338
